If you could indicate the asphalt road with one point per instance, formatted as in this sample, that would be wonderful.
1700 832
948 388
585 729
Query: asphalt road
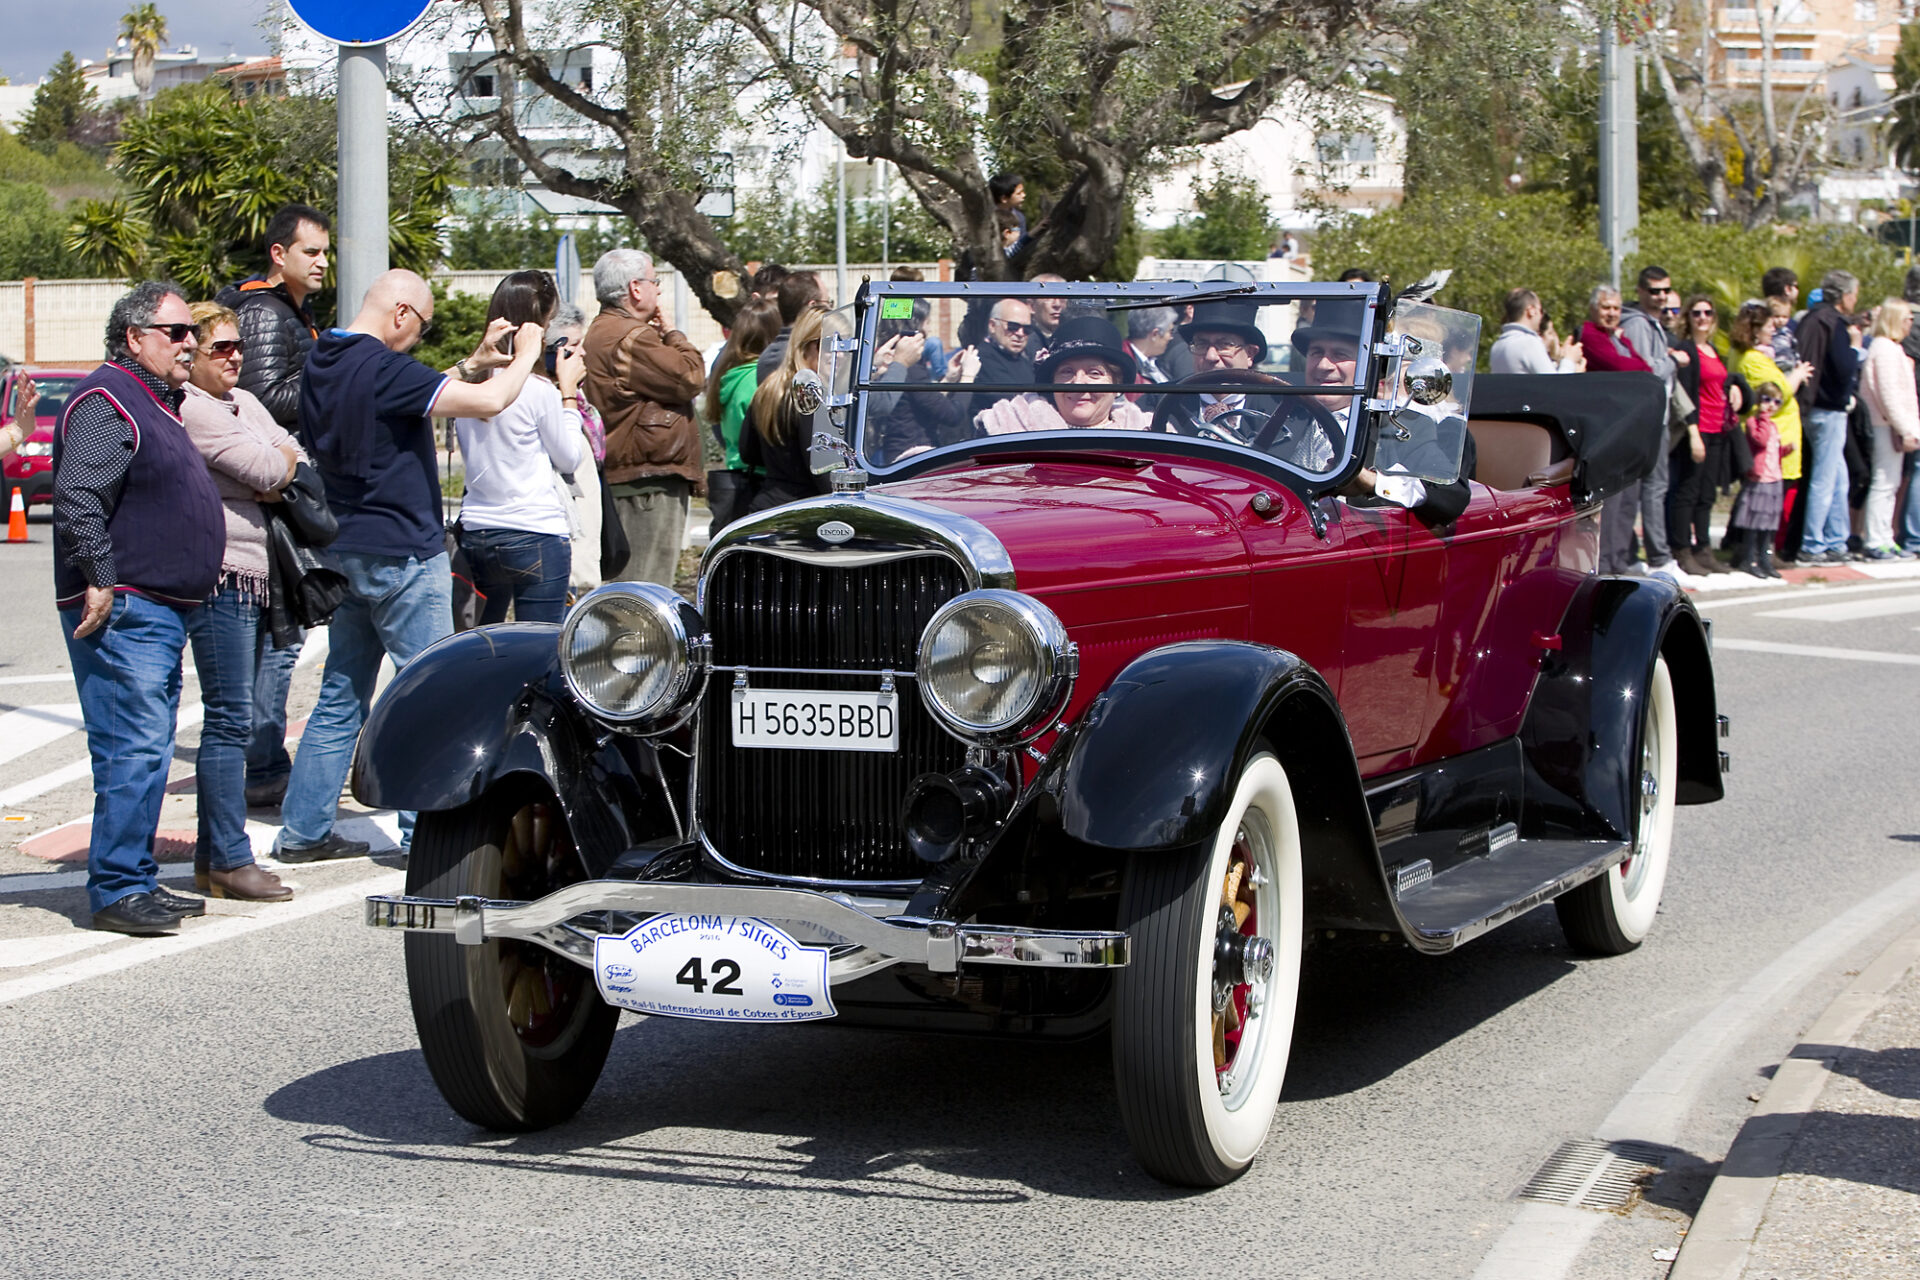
251 1101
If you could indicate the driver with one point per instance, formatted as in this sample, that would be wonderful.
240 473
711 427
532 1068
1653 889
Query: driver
1332 352
1226 336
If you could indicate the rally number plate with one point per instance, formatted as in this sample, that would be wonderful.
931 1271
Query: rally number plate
806 720
721 968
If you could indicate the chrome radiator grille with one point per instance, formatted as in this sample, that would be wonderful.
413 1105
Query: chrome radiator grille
828 815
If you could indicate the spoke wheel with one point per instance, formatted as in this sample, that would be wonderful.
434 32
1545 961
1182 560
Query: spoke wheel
1203 1014
1612 914
514 1035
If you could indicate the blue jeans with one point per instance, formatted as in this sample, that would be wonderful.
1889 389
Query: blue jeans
396 606
1827 522
267 758
526 570
128 674
224 632
1908 535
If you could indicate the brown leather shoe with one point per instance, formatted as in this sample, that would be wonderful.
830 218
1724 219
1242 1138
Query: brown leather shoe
250 883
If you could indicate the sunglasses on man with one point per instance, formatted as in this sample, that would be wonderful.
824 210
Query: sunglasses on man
1014 326
177 334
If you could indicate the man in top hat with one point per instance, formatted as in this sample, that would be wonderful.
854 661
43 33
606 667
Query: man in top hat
1226 336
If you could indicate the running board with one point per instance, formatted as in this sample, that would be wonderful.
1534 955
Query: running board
1481 894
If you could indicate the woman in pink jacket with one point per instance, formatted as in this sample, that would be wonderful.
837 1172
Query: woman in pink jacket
1887 386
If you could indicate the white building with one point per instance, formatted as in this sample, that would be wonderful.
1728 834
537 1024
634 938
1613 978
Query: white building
1309 158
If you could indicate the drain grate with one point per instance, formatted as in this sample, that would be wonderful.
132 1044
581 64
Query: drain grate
1588 1174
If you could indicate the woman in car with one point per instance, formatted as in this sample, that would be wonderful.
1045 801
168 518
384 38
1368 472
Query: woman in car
1085 349
782 436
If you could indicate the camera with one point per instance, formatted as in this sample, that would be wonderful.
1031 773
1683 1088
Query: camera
554 348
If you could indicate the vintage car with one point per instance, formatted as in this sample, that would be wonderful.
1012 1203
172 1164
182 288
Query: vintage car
1082 704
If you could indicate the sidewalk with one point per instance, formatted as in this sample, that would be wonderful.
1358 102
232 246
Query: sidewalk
1823 1182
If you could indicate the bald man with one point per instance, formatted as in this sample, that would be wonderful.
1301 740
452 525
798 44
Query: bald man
366 410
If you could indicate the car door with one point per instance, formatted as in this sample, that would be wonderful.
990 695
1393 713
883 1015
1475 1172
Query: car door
1396 580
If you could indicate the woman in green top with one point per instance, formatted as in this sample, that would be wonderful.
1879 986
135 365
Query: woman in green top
730 386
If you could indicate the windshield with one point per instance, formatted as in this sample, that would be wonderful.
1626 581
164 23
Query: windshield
1267 372
53 395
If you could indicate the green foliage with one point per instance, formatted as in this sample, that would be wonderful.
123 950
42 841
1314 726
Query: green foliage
1475 85
768 227
62 108
1232 223
32 235
207 171
1903 132
1668 179
107 238
68 169
1540 241
493 241
459 321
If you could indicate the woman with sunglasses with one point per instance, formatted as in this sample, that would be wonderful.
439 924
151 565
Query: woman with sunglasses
1697 467
251 458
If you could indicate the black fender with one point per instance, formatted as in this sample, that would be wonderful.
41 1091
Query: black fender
488 703
1581 734
1152 763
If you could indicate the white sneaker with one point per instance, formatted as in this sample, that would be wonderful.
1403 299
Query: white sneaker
1638 569
1675 574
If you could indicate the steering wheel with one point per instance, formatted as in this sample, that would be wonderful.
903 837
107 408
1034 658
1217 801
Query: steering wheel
1261 428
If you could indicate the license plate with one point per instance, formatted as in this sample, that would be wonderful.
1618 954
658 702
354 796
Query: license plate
720 968
805 720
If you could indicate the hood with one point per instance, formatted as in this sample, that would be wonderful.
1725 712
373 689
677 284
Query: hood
1106 540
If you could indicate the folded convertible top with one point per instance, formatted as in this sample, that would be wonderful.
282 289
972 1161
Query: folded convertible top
1615 424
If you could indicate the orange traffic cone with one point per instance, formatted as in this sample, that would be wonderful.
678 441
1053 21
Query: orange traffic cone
17 518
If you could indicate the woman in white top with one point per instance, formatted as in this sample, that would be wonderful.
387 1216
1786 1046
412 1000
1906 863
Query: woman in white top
514 523
1886 384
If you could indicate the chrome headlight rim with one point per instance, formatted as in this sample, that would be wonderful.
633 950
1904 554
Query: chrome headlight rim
1059 665
689 652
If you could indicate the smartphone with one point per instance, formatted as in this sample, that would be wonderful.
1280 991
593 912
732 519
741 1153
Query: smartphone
554 349
505 345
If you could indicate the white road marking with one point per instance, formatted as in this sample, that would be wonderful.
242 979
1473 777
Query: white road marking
202 933
1543 1242
18 953
31 728
1815 651
1805 593
1850 610
39 881
58 677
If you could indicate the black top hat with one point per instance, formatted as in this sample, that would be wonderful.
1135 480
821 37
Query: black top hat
1084 336
1238 318
1333 318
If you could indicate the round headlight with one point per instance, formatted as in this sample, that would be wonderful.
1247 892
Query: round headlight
634 653
994 666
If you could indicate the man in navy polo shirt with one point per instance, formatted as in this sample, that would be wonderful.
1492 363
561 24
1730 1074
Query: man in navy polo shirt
365 408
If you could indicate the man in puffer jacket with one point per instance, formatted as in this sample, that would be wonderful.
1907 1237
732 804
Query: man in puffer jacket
276 332
276 325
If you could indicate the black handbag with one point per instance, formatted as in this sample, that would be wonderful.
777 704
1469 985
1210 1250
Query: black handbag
1739 450
615 550
468 600
304 504
304 584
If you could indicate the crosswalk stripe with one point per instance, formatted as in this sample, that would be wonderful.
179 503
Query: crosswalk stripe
1815 651
57 677
1849 610
20 793
31 728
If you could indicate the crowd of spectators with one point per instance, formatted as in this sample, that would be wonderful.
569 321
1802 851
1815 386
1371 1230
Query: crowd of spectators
1809 417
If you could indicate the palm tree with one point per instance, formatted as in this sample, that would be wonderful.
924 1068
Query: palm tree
144 29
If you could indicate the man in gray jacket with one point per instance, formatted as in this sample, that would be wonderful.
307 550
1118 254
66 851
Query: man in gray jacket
1521 346
1646 337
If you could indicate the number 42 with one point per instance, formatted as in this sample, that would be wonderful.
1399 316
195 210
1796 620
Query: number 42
726 975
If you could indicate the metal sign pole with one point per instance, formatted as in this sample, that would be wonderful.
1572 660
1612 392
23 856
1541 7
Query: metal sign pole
360 245
1619 153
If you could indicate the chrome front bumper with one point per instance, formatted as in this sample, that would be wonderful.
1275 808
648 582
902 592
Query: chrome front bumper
568 921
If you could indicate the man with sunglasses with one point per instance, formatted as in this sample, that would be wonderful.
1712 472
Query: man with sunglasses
1003 357
1644 332
138 536
277 331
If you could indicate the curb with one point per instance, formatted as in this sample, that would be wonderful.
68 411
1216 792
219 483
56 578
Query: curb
1720 1240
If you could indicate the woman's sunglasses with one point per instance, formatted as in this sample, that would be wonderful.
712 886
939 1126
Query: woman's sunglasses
1701 313
225 349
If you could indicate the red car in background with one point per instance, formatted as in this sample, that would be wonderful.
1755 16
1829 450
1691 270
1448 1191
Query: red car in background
30 468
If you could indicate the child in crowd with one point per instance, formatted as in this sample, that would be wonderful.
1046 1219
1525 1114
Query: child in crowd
1756 513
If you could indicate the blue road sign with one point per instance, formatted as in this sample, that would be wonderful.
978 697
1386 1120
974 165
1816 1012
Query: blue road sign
359 22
